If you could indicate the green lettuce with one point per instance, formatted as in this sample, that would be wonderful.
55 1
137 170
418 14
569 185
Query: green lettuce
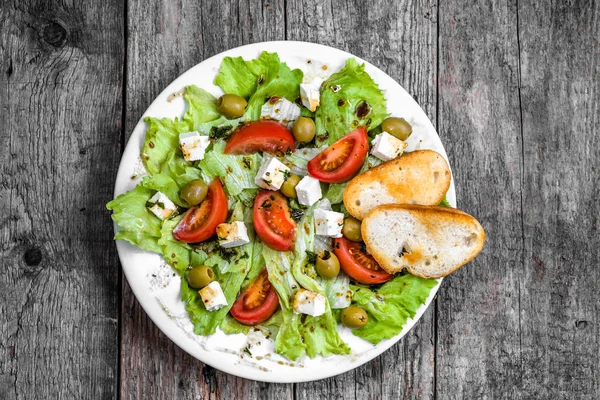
258 80
162 137
201 107
391 305
288 272
175 173
337 290
341 94
335 192
206 322
137 225
237 172
445 202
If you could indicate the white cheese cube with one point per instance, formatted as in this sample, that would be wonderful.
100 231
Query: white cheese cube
161 206
328 223
308 302
193 145
385 146
271 174
308 191
213 296
233 234
310 96
280 109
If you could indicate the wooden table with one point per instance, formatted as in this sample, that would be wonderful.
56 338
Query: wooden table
513 87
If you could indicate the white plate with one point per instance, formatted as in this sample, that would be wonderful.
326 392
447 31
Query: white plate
158 291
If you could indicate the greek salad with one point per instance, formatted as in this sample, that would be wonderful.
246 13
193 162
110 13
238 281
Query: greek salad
243 198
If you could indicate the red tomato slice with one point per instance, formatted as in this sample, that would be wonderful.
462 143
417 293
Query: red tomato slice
272 220
268 136
342 160
257 302
200 223
357 264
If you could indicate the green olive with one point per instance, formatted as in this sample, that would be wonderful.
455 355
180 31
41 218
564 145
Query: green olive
231 105
397 127
351 229
289 186
194 192
304 130
327 265
354 317
198 277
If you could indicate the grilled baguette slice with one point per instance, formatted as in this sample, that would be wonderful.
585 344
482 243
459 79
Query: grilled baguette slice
418 177
429 241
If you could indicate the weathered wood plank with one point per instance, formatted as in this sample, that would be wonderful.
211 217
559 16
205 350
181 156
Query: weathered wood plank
560 76
60 93
164 40
478 348
400 38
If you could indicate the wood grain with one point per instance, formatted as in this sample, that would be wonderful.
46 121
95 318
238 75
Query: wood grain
560 78
520 321
164 40
60 86
401 39
478 352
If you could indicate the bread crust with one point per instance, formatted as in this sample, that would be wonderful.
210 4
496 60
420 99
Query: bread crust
421 177
436 213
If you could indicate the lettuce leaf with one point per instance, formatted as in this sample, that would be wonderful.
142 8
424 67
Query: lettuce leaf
237 172
341 94
174 175
391 305
337 290
257 80
162 138
201 107
137 225
445 202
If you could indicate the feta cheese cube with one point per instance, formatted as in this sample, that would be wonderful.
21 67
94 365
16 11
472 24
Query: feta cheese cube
233 234
213 296
308 191
280 109
272 174
385 146
193 145
328 223
161 206
310 96
308 302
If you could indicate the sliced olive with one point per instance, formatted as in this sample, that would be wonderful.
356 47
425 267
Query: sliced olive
231 105
327 265
289 186
198 277
397 127
194 192
304 130
354 317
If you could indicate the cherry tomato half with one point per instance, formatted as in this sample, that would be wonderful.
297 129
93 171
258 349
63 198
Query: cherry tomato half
200 222
273 222
257 302
342 160
358 264
268 136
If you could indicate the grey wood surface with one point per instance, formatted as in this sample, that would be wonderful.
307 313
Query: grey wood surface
513 87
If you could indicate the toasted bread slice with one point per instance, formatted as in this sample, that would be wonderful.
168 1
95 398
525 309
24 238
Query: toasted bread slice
418 177
429 241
